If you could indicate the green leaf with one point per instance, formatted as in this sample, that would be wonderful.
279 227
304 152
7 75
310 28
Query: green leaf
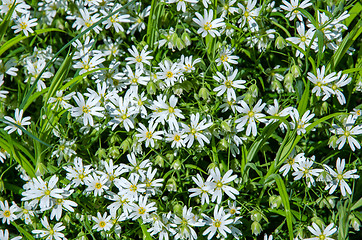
285 199
19 38
146 235
21 230
6 21
357 204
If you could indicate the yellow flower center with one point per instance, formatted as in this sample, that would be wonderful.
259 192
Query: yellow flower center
322 237
207 26
217 223
47 192
7 213
219 184
148 135
86 109
133 188
171 110
303 39
224 58
102 224
340 176
251 114
347 133
134 80
193 131
246 14
177 138
291 161
98 185
232 211
51 232
139 59
228 83
169 74
23 25
81 176
141 210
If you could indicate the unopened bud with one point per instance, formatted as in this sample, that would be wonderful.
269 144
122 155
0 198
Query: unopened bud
288 82
355 223
225 126
179 44
295 70
151 88
186 38
159 161
113 152
275 201
255 216
222 145
204 93
256 228
176 164
171 185
280 42
101 153
177 209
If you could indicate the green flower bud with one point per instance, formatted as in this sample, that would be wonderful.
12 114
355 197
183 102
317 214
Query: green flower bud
151 88
177 209
256 228
222 145
280 42
101 153
40 169
225 126
288 82
179 44
295 70
176 164
159 161
142 45
318 221
177 90
204 93
126 144
170 157
186 39
355 223
255 216
275 201
114 139
113 152
171 185
277 86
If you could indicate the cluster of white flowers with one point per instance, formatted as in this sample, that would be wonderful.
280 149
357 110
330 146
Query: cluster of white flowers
176 87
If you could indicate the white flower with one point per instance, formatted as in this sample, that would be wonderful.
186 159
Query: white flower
323 233
116 19
336 86
187 65
43 191
149 135
7 214
130 188
25 24
19 120
226 58
170 73
346 133
142 209
249 14
102 222
292 162
320 83
78 173
185 230
300 123
303 40
228 84
340 177
123 113
96 183
139 58
87 63
219 185
196 130
87 109
203 189
51 232
292 6
207 24
305 170
86 20
250 117
218 223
